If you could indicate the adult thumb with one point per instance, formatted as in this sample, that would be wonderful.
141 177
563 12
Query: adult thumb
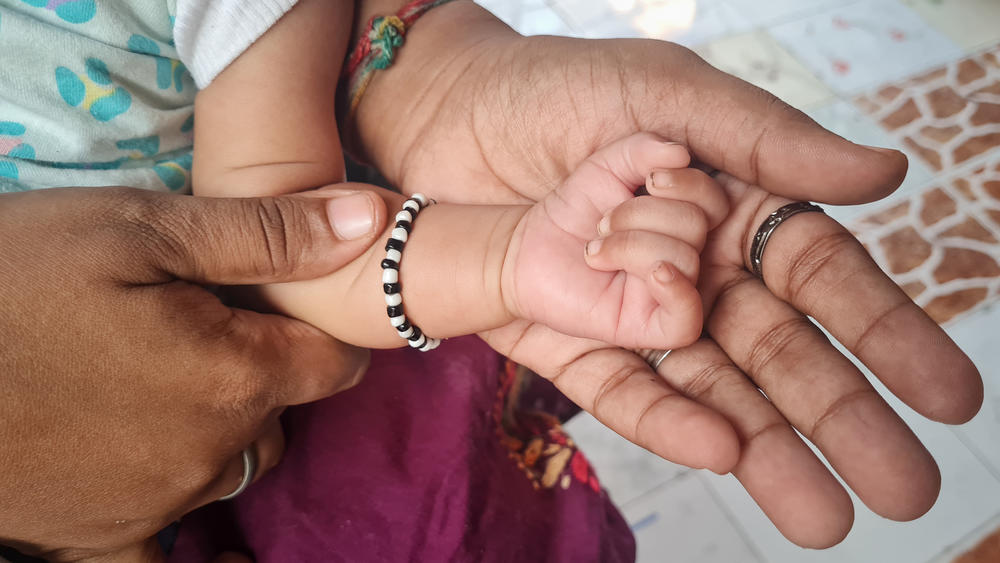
270 240
738 128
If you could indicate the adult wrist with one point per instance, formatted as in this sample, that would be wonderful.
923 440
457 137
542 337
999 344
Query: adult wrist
439 50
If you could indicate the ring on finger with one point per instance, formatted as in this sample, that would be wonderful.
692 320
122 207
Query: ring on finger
768 227
249 469
654 357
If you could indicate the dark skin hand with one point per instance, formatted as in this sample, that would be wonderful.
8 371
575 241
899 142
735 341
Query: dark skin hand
491 116
129 389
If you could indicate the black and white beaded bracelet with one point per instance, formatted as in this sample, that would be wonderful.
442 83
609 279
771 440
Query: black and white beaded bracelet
390 275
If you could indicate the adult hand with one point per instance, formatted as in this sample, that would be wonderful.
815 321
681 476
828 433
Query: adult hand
494 117
129 390
761 338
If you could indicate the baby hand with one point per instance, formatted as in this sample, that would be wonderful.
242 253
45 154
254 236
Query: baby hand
593 260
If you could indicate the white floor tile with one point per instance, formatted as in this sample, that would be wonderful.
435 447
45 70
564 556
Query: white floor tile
681 522
970 23
626 471
528 17
858 46
757 58
688 22
759 13
970 541
845 120
979 335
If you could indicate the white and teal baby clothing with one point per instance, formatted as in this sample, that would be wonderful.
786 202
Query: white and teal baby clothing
101 92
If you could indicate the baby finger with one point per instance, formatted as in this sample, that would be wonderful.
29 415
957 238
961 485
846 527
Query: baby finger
640 252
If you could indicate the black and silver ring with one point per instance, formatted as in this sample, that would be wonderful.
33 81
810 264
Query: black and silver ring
768 227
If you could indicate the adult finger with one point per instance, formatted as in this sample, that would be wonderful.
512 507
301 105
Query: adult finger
287 362
265 453
621 391
257 240
824 396
817 266
749 133
793 488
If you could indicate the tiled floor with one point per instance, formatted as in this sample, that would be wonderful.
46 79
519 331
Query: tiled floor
919 75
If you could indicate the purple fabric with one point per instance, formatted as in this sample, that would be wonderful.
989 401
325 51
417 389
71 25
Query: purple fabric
411 466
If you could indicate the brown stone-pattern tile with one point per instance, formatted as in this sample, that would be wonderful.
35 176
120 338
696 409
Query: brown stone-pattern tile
905 249
947 116
986 551
937 206
946 307
942 246
889 215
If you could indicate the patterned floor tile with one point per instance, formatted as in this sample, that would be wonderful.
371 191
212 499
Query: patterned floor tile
949 115
683 522
943 245
857 46
969 23
625 470
757 58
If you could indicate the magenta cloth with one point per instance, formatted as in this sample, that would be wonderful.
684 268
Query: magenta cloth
411 466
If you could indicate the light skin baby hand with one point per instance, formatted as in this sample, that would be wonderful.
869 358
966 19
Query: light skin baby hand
593 260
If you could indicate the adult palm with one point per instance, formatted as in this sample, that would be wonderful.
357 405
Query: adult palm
490 116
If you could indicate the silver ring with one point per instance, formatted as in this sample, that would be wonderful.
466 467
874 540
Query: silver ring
249 468
654 357
768 227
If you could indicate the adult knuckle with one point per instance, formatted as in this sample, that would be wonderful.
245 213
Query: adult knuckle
147 222
238 392
830 412
281 230
776 339
613 382
701 383
809 264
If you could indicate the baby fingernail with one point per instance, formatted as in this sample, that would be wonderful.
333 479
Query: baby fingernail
660 179
663 273
594 246
604 227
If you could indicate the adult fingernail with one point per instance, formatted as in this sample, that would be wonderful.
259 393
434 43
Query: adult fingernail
604 227
881 150
594 246
663 273
351 216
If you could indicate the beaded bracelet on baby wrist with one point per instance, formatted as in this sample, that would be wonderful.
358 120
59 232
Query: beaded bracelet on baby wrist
390 275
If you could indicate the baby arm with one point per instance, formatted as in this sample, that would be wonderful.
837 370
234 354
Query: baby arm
266 126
